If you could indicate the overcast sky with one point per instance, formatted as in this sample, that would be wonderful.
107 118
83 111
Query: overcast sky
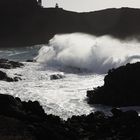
91 5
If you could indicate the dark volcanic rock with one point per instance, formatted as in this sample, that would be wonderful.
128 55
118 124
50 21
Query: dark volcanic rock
4 77
97 126
56 76
6 64
121 87
13 129
29 60
27 120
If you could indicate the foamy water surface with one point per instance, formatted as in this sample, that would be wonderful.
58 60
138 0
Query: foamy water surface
81 59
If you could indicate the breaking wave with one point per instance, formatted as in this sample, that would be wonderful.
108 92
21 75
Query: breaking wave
86 52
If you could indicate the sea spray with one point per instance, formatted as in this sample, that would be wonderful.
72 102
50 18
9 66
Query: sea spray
86 52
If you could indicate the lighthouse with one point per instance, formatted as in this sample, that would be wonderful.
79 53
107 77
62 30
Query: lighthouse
56 6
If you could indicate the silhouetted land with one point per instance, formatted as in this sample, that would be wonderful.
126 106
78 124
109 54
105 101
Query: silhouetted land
121 87
27 121
25 23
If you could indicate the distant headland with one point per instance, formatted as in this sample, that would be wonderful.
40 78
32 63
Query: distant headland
26 22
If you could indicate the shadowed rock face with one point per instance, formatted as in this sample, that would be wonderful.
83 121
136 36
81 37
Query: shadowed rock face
121 87
27 120
56 76
6 64
4 77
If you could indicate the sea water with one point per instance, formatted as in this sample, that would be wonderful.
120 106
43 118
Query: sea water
81 59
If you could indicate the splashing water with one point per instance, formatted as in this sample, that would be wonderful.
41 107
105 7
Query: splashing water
68 52
87 52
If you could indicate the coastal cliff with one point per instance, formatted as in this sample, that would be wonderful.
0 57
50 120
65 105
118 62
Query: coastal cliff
121 87
29 24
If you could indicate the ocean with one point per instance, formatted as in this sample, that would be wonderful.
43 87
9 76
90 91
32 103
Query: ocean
80 61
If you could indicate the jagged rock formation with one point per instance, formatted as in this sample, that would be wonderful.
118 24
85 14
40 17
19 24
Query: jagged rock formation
27 120
6 64
5 77
56 76
121 87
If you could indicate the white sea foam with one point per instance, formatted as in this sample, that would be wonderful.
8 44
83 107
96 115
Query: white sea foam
66 97
87 52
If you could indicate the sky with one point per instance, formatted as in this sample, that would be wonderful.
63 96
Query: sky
91 5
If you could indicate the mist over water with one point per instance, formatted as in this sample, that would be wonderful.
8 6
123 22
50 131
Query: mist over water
88 53
71 56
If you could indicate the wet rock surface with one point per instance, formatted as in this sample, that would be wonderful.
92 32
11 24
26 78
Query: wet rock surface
56 76
6 64
5 77
121 87
30 60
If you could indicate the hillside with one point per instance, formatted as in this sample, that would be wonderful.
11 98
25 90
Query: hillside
21 27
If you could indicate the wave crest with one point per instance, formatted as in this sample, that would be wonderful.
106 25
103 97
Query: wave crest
87 52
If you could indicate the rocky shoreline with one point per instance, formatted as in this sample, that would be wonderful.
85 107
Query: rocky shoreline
121 87
27 120
24 23
6 64
20 120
